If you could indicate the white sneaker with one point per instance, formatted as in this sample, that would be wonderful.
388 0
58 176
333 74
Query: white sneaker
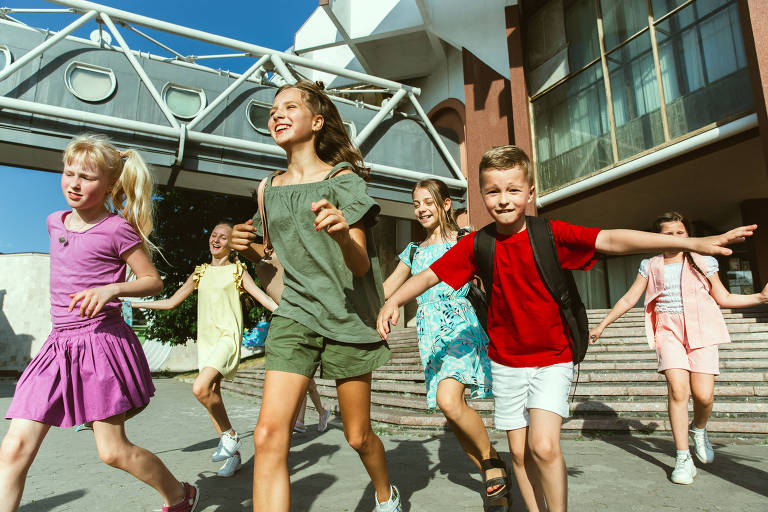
228 445
233 464
392 504
299 427
701 446
684 470
322 425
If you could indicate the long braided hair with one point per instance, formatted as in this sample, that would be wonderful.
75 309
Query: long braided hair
673 216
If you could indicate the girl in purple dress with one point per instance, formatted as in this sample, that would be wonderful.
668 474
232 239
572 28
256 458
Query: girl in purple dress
92 367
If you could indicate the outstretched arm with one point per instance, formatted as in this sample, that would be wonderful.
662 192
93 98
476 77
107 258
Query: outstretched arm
727 299
412 288
243 240
623 305
628 241
171 302
147 282
257 293
396 279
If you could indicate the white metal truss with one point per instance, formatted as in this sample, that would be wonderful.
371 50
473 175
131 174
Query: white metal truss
267 60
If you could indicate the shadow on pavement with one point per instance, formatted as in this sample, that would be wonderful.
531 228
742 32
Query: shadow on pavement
46 504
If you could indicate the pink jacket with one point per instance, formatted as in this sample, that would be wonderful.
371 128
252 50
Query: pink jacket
704 322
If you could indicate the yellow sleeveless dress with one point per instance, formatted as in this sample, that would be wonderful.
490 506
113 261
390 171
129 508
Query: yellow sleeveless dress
219 316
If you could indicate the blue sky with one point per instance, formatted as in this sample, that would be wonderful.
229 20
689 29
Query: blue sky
31 195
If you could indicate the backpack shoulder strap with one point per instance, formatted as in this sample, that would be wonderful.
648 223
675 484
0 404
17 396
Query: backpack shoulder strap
337 169
414 248
545 254
484 246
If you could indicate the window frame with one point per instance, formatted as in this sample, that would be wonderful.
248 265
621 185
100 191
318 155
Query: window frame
187 88
90 67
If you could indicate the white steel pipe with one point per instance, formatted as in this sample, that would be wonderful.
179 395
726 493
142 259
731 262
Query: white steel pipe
673 150
199 137
282 69
226 92
436 137
376 121
39 49
140 71
227 42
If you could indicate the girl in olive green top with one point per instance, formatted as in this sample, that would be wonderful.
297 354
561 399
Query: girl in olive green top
319 217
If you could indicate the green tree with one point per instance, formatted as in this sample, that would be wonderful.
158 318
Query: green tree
183 223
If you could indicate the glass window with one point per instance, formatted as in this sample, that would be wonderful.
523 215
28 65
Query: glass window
703 65
621 19
184 102
258 116
635 95
581 33
572 130
89 82
5 57
662 7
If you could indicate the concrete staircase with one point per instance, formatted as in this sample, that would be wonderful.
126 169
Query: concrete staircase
618 387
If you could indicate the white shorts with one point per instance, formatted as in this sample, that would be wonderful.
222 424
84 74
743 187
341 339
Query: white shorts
516 390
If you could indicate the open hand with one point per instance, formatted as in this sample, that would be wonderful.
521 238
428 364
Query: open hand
92 300
242 236
330 219
389 314
715 245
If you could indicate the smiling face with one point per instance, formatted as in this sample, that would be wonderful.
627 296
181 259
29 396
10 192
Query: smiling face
506 193
674 228
85 186
290 120
427 211
218 242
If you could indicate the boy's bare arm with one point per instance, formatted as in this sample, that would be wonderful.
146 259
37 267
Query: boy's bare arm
628 241
412 288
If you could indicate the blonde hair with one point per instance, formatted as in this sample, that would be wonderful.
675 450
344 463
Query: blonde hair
131 190
439 192
506 157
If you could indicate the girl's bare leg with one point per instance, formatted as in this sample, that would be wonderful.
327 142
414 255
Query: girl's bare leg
207 390
703 390
354 396
678 391
17 452
314 395
117 451
282 394
526 473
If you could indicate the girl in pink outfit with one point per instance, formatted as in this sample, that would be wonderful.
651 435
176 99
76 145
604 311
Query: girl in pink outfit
92 367
683 322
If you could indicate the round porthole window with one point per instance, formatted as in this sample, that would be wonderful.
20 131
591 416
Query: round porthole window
5 57
89 82
185 102
258 116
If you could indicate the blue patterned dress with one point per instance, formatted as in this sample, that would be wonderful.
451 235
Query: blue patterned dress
452 344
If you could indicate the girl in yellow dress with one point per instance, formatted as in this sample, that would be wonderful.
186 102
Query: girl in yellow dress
219 333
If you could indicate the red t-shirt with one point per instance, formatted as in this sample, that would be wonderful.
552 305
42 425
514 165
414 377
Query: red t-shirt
524 323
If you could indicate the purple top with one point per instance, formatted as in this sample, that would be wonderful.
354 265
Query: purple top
86 259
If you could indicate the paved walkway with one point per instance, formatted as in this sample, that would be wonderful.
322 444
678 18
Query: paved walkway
614 474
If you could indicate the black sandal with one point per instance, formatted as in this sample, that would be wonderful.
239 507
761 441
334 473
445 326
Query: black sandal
502 481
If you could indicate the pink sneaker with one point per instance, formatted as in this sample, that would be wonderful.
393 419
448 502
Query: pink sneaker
189 503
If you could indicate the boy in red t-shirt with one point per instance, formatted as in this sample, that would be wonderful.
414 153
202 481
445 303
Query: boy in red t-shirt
530 351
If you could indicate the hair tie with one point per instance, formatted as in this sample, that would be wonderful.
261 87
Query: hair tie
320 85
123 154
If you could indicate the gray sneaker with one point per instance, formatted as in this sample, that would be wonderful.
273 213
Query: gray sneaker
701 446
228 445
684 471
231 466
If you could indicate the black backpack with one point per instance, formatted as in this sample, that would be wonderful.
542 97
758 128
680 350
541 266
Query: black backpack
475 295
559 281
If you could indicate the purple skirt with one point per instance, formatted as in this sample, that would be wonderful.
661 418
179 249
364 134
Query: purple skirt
88 372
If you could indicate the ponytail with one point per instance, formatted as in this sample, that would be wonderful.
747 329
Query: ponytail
131 195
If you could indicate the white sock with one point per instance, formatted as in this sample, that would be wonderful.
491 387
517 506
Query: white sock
681 454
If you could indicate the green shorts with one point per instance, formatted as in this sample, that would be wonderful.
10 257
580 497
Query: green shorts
292 347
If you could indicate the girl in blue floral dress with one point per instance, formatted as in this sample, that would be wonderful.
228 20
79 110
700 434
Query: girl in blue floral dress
452 344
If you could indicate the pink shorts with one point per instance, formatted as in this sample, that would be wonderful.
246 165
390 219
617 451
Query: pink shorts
673 351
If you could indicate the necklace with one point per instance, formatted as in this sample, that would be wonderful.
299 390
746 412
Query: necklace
83 225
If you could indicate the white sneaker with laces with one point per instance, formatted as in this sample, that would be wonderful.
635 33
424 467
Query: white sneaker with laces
231 466
228 445
322 425
684 470
701 446
392 504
